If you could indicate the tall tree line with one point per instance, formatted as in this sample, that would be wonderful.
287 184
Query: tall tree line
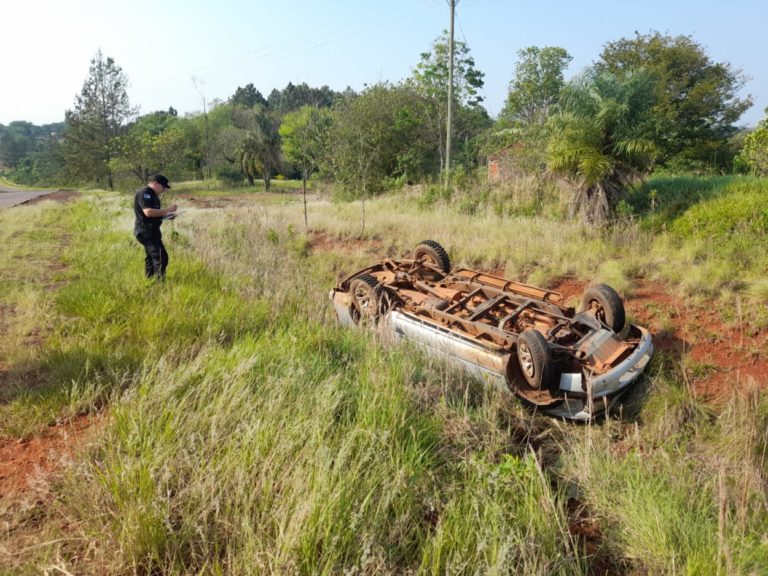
649 100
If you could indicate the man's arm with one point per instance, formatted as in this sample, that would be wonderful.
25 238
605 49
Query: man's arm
159 212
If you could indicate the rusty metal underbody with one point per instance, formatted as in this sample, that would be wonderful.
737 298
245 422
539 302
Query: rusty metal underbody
477 318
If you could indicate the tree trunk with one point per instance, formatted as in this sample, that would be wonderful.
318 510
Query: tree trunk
304 190
362 213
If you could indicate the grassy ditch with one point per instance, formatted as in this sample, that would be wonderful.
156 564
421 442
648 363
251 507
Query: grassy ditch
245 433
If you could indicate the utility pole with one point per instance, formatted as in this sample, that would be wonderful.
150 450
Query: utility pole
452 6
207 133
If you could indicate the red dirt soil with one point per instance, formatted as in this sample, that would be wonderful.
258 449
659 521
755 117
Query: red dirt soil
585 530
26 462
324 242
719 357
58 196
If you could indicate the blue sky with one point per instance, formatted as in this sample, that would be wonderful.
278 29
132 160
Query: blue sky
162 45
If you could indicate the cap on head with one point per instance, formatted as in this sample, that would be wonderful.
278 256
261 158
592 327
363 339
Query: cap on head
160 179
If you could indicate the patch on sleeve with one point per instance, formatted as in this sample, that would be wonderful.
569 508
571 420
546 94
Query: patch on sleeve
147 196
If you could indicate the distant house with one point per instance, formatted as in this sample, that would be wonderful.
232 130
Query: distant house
503 165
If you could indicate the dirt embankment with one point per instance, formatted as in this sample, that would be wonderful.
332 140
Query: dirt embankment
58 196
717 356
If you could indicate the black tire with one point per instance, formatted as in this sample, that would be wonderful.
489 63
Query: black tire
535 360
605 304
366 299
434 254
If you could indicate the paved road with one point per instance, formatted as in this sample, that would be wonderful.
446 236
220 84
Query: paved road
10 198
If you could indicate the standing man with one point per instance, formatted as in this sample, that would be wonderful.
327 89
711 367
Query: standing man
149 217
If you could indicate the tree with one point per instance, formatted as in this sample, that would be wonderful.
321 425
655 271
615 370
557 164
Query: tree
293 97
536 85
248 97
221 119
372 138
533 94
31 152
21 139
601 138
430 79
259 149
753 157
13 148
101 111
304 136
697 99
387 122
154 143
47 159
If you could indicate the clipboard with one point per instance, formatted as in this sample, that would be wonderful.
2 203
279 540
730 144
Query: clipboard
173 216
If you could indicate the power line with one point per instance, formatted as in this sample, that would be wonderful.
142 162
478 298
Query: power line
245 55
284 48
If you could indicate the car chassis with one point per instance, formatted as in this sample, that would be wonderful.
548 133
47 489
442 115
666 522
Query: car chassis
566 363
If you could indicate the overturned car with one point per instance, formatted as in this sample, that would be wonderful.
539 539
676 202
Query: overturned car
567 363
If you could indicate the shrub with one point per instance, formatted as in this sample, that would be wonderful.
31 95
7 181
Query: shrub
230 175
744 212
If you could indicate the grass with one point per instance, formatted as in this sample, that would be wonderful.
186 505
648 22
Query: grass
682 494
245 433
207 188
709 233
651 515
7 184
242 420
28 269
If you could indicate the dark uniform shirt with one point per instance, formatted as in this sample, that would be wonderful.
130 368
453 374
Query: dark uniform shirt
146 198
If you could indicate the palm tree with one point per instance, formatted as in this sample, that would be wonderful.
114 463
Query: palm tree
259 150
601 139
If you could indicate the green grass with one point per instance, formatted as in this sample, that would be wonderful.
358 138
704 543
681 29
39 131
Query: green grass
669 196
5 183
710 234
651 515
215 188
682 494
245 433
105 321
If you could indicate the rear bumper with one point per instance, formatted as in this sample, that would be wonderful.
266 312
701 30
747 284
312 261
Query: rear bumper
603 391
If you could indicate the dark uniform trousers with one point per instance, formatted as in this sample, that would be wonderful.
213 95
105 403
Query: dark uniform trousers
156 260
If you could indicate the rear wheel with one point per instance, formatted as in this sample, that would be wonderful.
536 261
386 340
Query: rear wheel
535 360
432 253
605 304
366 299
